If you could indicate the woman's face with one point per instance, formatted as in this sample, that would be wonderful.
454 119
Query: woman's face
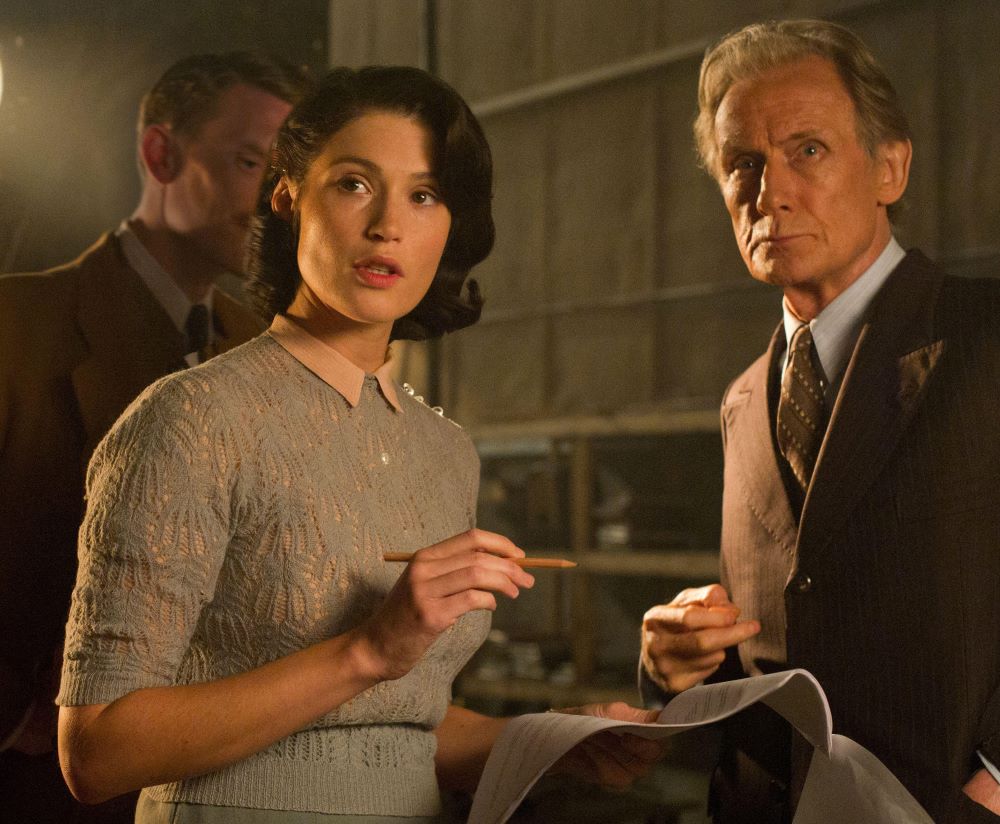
372 225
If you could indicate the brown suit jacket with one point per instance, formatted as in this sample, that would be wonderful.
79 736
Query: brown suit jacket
888 589
77 344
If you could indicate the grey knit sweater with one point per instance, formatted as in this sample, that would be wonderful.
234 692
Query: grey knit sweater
238 512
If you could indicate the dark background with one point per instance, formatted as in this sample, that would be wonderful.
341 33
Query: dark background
73 76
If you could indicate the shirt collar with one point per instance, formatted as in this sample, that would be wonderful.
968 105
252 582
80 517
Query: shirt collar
166 291
329 365
835 330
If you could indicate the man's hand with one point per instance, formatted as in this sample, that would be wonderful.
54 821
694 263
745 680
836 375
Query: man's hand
610 760
684 642
984 789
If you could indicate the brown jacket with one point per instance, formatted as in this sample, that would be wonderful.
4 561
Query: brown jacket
888 589
77 344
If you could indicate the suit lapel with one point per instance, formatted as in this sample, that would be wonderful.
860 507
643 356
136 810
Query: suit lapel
747 413
130 339
884 383
232 324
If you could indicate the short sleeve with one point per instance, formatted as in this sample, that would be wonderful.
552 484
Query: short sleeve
160 498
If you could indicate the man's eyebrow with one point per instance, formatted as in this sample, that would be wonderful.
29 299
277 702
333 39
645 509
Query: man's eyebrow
803 134
253 148
737 146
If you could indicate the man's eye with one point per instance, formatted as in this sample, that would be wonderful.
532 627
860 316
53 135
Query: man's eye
810 149
745 164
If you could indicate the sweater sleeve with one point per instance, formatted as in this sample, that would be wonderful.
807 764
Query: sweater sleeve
159 502
474 477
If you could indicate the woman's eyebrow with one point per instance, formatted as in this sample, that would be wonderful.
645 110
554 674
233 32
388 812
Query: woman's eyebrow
374 167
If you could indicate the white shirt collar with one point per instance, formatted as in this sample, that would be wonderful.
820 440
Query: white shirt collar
835 330
166 291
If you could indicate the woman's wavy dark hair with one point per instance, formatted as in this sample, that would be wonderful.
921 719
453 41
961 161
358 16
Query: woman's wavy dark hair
461 162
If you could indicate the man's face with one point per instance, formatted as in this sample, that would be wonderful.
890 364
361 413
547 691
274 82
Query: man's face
210 202
806 199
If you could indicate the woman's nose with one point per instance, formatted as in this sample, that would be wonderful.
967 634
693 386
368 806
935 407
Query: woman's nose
386 222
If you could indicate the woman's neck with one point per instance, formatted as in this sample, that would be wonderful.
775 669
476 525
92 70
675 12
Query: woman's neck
363 344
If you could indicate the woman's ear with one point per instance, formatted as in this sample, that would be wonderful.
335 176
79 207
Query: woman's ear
283 200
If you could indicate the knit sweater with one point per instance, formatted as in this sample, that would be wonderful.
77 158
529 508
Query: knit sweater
238 512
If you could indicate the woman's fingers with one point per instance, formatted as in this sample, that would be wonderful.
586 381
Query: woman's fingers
474 539
470 570
468 561
440 584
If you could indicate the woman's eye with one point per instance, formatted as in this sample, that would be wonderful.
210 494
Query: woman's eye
426 197
249 164
351 185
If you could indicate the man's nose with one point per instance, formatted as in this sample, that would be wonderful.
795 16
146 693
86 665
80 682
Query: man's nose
776 187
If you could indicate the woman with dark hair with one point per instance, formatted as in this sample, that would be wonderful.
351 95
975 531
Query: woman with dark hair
237 643
460 154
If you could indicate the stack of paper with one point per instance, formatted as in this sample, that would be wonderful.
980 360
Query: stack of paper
845 782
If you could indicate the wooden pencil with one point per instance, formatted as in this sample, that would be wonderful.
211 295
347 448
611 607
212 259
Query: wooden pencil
524 563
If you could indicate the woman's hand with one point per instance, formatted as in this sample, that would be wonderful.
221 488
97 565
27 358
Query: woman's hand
162 734
609 759
438 586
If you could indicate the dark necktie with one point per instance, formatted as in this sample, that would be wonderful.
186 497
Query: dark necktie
196 329
801 413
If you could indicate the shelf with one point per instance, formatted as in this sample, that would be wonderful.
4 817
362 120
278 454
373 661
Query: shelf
696 564
655 422
542 692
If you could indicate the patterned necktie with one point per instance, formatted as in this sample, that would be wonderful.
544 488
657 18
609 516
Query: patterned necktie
801 414
196 329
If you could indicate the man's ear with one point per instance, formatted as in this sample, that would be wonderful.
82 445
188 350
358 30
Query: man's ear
283 199
161 155
894 170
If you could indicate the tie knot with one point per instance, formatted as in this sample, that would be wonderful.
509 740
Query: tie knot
801 339
196 328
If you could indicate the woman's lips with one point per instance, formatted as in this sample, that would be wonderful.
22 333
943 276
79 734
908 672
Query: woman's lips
378 272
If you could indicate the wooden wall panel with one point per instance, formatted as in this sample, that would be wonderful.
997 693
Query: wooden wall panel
705 342
904 40
497 372
589 34
696 237
969 65
487 48
603 195
603 360
516 275
363 32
